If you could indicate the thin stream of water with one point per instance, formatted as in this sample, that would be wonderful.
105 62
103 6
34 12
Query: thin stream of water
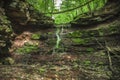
60 32
58 38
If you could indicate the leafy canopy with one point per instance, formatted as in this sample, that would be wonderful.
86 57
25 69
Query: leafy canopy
64 11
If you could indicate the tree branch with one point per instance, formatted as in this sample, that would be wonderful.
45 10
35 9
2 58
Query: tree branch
70 9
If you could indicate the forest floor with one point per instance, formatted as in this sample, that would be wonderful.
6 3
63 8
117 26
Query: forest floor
62 66
57 66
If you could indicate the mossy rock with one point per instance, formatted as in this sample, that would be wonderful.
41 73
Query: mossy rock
90 49
6 33
36 36
8 61
75 34
51 42
79 41
26 49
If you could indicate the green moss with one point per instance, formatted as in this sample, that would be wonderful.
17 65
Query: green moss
75 34
90 49
79 41
42 70
114 29
36 36
6 34
50 33
101 32
83 34
92 33
28 48
100 63
87 63
4 20
8 61
110 30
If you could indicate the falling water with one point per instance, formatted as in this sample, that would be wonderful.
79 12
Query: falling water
58 38
60 32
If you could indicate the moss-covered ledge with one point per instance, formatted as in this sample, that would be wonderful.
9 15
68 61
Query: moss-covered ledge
106 14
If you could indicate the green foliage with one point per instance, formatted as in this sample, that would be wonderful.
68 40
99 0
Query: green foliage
75 34
42 70
79 41
90 49
101 33
68 9
87 63
6 33
3 19
36 36
28 48
100 63
8 61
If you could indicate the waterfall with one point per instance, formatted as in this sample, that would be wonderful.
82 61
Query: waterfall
58 38
60 33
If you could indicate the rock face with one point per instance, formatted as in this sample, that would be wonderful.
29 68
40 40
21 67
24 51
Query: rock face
22 14
108 13
6 33
95 45
18 16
